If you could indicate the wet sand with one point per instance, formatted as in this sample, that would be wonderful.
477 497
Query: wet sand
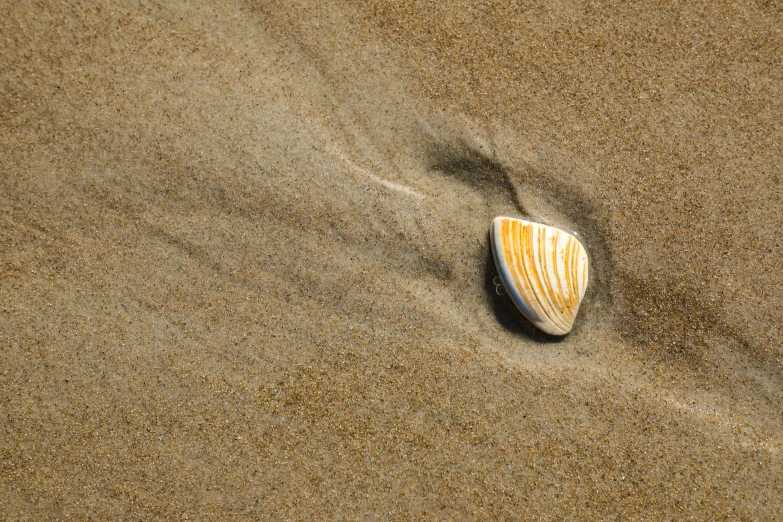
245 274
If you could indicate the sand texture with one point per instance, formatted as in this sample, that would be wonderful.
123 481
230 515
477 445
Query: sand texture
245 269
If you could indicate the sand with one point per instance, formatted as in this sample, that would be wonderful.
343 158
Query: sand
244 264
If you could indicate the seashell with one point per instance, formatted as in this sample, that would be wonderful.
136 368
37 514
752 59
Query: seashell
544 271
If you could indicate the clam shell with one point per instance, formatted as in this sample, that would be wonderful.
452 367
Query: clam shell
544 270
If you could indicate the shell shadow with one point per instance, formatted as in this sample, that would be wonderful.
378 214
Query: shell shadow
476 169
506 313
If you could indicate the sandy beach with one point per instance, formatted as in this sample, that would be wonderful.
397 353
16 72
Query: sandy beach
245 270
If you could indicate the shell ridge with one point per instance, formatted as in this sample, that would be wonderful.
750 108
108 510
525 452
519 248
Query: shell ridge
562 304
545 280
571 272
513 261
583 286
559 294
563 278
521 269
579 276
529 262
518 238
559 297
